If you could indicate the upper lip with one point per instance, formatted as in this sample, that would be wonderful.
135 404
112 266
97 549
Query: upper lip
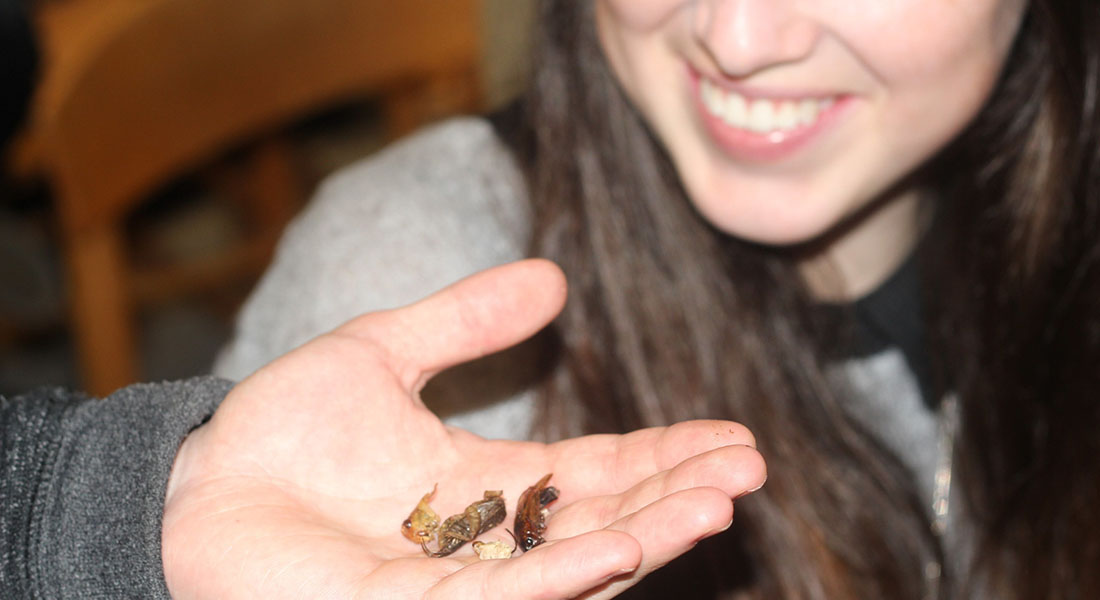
755 91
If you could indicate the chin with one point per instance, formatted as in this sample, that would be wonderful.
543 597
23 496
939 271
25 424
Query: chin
769 227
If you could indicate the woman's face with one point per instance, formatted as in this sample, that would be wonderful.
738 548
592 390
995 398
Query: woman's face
783 117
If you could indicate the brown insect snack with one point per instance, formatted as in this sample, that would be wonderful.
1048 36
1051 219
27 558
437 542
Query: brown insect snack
479 517
423 522
531 513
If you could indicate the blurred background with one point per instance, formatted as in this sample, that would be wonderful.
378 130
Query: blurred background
153 150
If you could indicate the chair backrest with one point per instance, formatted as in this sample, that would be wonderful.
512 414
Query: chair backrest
188 79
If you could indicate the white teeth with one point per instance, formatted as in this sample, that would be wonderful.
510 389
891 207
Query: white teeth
787 116
761 115
807 111
736 109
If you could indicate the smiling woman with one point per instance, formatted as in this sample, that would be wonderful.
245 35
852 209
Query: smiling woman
911 80
783 118
866 229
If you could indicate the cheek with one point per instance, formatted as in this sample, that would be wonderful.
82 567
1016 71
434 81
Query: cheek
634 35
637 15
930 95
937 45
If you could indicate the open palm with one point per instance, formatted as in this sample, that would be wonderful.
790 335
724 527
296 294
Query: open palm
298 485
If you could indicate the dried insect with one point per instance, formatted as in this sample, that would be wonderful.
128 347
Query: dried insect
423 522
491 550
531 513
479 517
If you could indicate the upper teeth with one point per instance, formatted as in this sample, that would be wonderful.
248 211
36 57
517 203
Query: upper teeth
761 115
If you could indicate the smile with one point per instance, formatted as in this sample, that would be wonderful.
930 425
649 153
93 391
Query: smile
761 115
765 127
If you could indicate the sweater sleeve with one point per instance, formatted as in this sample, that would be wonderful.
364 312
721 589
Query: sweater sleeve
82 485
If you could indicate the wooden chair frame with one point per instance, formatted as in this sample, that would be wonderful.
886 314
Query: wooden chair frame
179 82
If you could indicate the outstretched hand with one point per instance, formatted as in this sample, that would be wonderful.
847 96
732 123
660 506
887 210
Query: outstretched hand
300 482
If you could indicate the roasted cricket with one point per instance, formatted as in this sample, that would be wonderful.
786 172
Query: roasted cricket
492 550
479 517
422 523
531 513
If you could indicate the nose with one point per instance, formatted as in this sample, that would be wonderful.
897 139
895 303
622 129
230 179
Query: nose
746 36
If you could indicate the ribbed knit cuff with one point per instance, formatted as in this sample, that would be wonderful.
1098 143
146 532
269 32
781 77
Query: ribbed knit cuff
82 495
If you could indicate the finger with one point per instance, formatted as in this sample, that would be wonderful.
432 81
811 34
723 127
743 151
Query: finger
731 470
670 527
735 470
608 464
565 569
484 313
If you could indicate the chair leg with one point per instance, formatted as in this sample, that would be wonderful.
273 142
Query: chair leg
103 323
275 189
401 109
268 185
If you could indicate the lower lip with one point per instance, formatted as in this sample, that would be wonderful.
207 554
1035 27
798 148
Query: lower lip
769 147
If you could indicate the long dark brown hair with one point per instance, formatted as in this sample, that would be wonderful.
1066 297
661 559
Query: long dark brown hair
669 319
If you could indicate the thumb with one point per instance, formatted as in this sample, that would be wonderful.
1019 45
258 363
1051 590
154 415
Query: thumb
481 314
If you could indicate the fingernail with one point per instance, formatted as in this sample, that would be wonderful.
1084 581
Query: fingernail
713 532
755 489
619 573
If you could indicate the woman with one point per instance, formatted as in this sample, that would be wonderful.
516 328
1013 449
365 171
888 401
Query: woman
866 230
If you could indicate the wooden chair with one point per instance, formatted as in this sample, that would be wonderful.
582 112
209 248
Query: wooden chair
139 92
